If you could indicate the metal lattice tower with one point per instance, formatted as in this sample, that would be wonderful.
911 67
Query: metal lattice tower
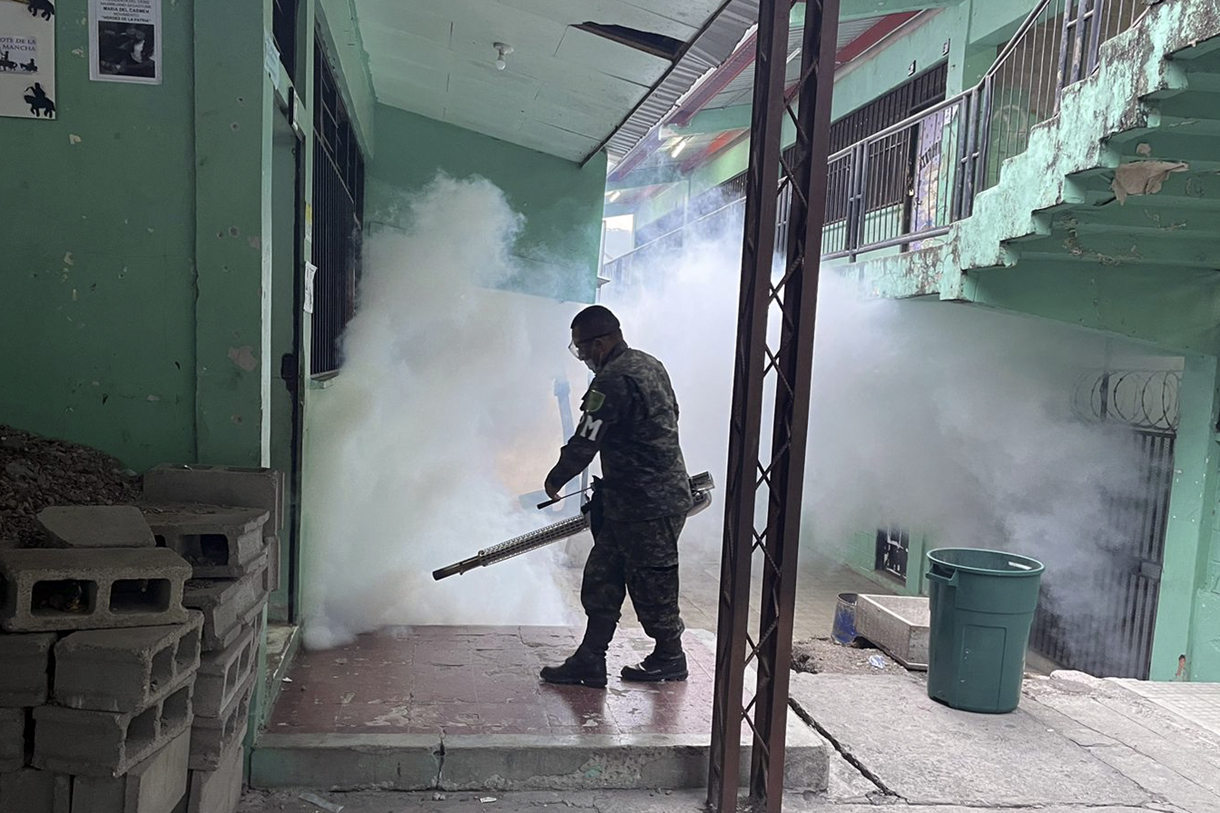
788 295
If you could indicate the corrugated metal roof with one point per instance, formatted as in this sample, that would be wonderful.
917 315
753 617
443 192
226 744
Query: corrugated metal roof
708 52
709 49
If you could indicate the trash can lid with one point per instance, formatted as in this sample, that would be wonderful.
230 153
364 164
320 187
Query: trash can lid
989 562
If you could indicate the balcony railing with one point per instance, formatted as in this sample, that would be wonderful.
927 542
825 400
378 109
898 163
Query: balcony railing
909 183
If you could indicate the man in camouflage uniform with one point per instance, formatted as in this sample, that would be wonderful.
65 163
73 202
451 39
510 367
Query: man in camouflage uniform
630 417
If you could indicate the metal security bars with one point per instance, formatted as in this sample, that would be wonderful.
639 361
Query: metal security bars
1112 637
893 548
779 361
284 31
338 207
900 185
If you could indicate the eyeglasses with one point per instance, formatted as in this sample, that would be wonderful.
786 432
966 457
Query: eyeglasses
577 348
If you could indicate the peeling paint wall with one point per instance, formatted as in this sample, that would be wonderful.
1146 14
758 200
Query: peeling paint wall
98 283
561 201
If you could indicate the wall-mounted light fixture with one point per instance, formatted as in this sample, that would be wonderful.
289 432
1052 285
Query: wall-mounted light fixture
502 51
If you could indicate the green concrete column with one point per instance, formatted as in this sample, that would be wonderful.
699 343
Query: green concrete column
1191 530
233 144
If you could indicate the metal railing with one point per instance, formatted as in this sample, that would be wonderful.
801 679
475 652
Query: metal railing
900 185
912 181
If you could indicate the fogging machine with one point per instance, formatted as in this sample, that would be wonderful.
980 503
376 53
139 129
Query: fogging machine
701 486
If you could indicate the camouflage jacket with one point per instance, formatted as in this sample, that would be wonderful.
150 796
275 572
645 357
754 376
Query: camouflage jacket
630 416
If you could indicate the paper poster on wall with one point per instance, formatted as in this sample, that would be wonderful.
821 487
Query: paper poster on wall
311 271
125 41
27 59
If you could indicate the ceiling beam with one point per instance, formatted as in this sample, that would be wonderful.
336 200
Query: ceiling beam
717 144
670 173
715 120
884 27
863 9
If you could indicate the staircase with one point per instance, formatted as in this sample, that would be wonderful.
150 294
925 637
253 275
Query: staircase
1055 236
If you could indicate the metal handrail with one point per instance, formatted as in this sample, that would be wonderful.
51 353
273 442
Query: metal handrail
1015 40
906 123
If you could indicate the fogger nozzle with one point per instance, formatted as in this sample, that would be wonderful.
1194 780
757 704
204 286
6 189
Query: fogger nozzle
701 486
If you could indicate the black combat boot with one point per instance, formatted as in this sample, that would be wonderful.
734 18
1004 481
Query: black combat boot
587 665
667 662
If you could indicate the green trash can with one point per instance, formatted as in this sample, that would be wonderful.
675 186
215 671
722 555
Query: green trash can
982 604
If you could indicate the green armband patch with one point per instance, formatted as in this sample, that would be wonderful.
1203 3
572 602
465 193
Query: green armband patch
594 401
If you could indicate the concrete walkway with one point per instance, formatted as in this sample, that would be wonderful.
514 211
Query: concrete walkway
1076 744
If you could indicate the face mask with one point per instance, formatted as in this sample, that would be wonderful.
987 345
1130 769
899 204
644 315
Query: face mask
592 367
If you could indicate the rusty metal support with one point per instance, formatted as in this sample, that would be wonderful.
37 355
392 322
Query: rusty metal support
791 298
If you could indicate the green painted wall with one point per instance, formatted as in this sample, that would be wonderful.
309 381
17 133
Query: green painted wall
98 286
861 556
1190 532
233 140
1173 308
561 201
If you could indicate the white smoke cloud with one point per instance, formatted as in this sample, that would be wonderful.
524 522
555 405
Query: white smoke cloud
442 416
950 420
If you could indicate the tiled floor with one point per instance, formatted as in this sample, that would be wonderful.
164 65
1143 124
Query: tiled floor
484 680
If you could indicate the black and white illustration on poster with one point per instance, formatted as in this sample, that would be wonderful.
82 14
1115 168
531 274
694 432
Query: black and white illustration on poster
18 54
27 59
125 41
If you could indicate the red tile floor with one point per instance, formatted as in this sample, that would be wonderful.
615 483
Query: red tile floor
484 680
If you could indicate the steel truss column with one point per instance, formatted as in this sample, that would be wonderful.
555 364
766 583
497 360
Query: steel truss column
791 298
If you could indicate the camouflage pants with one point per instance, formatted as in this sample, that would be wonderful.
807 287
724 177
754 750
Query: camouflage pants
640 558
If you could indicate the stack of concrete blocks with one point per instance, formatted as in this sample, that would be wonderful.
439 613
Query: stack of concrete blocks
226 522
97 668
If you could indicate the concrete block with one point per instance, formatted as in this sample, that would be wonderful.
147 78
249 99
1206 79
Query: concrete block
25 678
218 542
96 526
156 785
219 485
13 725
273 562
898 625
71 589
212 736
31 791
219 791
223 673
102 743
125 669
226 604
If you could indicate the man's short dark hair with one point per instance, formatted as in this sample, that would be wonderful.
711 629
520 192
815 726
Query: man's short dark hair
595 320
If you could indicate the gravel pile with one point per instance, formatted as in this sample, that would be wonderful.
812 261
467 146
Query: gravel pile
36 472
